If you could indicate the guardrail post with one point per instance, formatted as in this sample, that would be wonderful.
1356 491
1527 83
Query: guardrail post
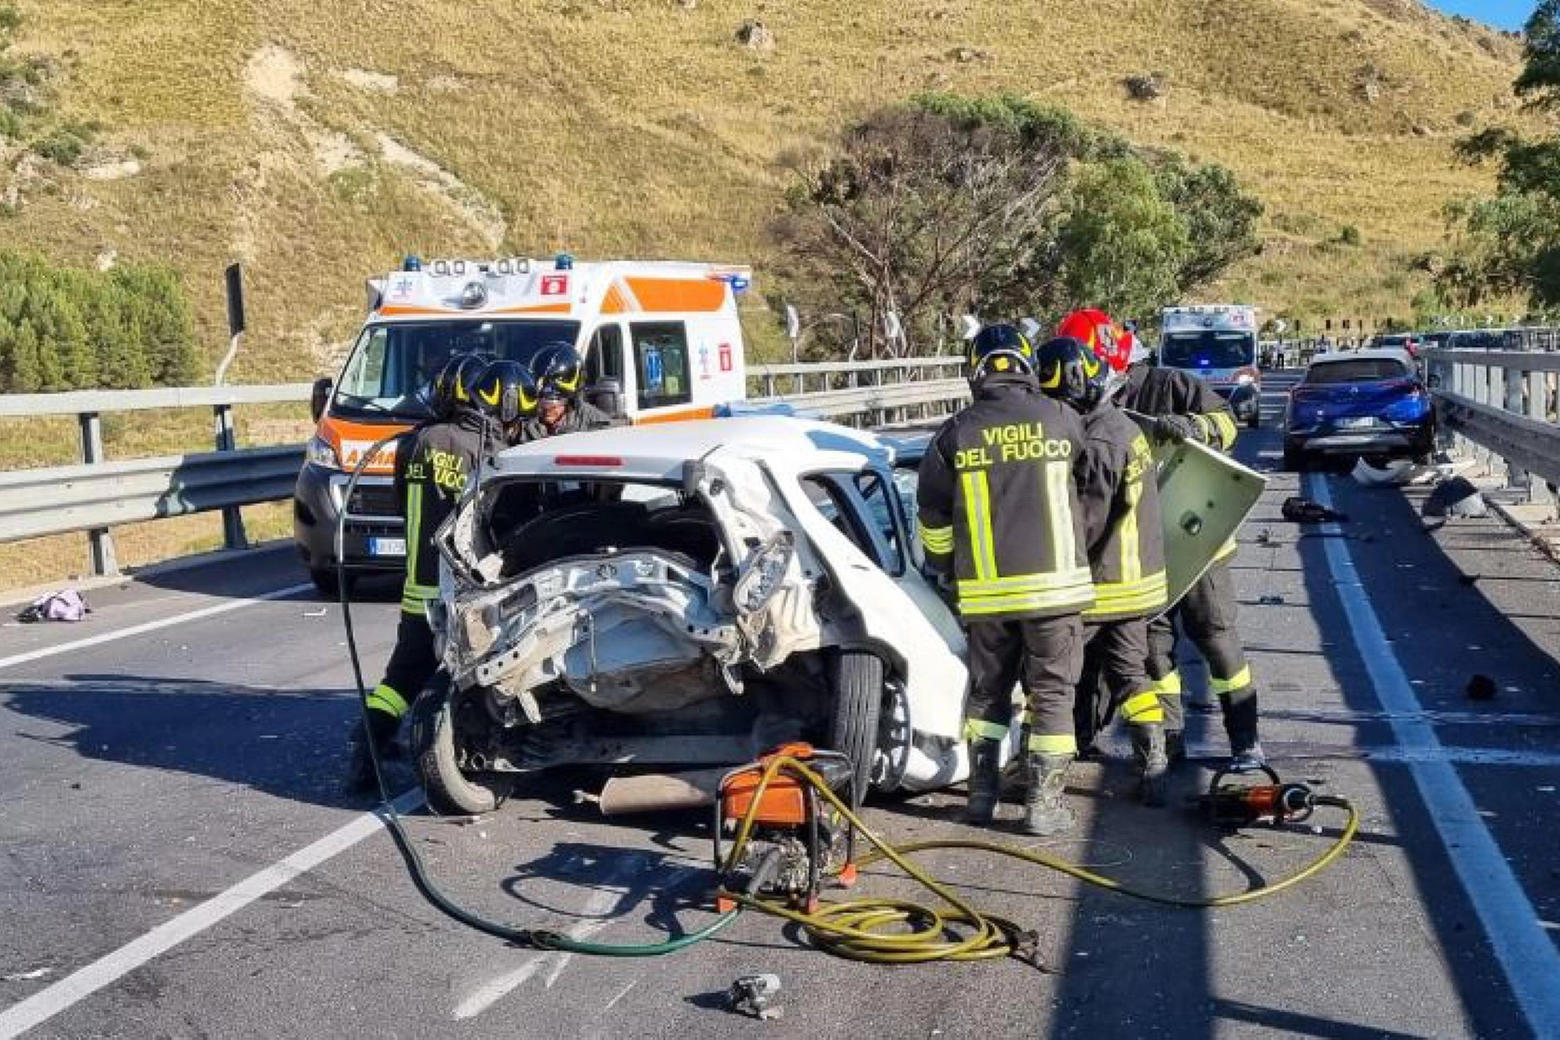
1513 384
232 518
100 539
1537 410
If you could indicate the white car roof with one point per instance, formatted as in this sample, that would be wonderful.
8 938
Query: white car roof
658 450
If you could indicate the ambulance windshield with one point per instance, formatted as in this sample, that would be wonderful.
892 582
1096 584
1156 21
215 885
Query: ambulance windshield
390 371
1208 348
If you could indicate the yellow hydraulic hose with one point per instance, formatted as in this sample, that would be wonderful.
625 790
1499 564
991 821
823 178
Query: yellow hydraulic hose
859 929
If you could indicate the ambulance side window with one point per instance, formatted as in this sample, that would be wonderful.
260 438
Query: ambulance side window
661 361
605 357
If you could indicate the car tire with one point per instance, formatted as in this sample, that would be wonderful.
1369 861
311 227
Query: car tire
856 678
448 790
327 582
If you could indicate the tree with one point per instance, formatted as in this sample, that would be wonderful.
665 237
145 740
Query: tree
922 211
998 206
1123 244
1220 219
1510 244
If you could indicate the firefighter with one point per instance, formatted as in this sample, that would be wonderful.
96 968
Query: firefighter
433 464
1184 408
1119 501
998 512
506 393
560 376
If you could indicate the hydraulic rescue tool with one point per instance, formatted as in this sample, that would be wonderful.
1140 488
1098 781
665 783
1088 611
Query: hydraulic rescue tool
791 832
1231 805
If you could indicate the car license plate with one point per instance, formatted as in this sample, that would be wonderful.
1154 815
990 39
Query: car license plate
1357 422
387 547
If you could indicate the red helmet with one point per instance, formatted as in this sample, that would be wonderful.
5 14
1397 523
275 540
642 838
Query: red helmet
1094 329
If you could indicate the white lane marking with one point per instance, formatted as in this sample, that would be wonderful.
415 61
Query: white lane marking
80 984
150 626
1527 956
609 891
621 994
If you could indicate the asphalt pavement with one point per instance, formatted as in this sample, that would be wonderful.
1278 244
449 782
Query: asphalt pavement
178 861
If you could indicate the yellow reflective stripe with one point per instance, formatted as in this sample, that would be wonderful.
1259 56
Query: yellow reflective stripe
1067 579
1131 559
1237 681
1142 707
977 516
417 607
936 539
1221 423
1035 601
1064 544
1169 684
980 729
1053 743
1228 549
414 496
387 700
1108 590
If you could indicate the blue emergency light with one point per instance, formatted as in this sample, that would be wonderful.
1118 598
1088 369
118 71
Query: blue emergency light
412 263
563 262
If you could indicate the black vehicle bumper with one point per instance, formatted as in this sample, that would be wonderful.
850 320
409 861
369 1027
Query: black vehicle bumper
317 507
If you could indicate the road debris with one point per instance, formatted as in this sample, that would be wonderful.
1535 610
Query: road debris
753 995
1481 688
1298 509
63 605
26 976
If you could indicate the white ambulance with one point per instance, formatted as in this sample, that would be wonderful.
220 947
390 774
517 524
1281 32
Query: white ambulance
661 341
1217 343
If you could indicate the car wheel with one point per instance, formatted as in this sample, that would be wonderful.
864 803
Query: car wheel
857 681
327 583
1294 459
448 789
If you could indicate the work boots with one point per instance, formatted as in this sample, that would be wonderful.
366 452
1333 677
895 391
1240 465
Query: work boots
984 783
360 765
1045 813
1240 725
1148 747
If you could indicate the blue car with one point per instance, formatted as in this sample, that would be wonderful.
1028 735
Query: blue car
1363 402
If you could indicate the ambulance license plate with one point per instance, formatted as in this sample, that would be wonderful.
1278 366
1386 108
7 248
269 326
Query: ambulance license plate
387 547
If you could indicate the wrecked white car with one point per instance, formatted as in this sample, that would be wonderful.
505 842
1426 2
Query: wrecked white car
691 593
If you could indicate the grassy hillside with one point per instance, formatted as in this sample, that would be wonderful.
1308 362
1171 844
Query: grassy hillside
319 141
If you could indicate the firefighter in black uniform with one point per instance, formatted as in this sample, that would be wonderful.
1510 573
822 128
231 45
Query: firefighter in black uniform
506 393
1184 408
998 511
560 376
1119 501
433 464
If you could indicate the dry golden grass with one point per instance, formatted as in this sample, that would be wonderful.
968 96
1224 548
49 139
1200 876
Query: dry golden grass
641 127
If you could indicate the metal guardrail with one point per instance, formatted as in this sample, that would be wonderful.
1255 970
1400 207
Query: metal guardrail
39 502
1505 403
97 495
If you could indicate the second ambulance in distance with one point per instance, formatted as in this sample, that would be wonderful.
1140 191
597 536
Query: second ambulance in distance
661 341
1217 343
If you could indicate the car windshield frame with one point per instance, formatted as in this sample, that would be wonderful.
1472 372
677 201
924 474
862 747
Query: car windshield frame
1208 348
410 353
1371 370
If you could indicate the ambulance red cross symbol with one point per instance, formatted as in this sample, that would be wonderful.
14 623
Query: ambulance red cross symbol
555 285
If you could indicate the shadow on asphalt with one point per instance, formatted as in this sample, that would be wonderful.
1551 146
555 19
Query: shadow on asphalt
1428 626
287 743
